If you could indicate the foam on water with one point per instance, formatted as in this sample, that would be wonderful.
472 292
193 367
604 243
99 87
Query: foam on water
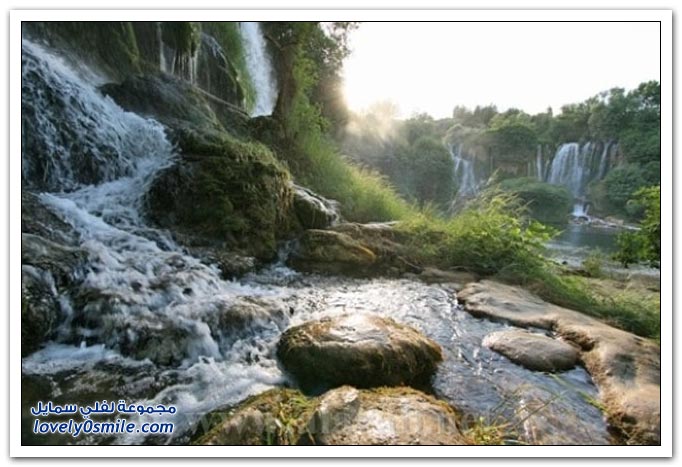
151 311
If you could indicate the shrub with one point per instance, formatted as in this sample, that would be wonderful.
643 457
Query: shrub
645 244
546 203
488 236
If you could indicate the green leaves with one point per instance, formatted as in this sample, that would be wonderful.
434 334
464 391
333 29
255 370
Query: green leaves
645 244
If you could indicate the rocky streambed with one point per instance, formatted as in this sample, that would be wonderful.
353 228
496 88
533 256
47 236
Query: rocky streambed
341 340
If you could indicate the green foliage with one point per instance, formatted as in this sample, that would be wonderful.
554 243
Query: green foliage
593 265
631 312
546 203
643 245
431 168
183 36
620 186
511 135
304 142
489 236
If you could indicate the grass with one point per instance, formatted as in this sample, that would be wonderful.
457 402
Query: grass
633 310
365 195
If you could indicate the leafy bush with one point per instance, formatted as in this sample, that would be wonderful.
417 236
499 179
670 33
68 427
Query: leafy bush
546 203
613 193
645 244
489 236
593 265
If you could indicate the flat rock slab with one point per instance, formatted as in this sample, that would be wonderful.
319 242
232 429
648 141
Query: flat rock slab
625 367
358 349
533 351
342 416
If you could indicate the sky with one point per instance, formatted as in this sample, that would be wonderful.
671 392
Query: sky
431 67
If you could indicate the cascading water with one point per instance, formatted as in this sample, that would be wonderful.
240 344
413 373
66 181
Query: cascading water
260 69
151 324
463 173
575 166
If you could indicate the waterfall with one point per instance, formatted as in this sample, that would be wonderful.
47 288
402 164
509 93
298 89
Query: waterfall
538 163
152 324
575 166
260 69
463 173
71 135
141 284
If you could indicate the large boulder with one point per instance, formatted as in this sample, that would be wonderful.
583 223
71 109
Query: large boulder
224 193
326 251
168 99
342 416
533 351
360 350
625 367
314 211
384 416
362 250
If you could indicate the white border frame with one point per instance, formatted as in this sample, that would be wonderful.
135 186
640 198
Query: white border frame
664 16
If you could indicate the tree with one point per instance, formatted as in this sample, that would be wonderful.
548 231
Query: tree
645 244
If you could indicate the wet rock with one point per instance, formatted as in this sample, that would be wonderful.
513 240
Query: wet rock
40 311
38 219
385 416
438 276
360 350
278 416
534 351
326 251
232 265
64 262
224 193
170 100
361 250
625 367
312 210
343 416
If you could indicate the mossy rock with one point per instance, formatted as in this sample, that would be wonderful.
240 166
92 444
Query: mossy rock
342 416
358 349
168 99
229 192
278 416
361 250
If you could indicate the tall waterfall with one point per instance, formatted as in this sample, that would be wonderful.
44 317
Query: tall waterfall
575 166
260 69
463 172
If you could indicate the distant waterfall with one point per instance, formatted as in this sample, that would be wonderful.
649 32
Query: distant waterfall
575 166
260 69
463 173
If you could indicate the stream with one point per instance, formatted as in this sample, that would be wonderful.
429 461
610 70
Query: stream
151 324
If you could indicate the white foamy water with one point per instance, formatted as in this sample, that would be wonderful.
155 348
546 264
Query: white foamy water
168 324
260 68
